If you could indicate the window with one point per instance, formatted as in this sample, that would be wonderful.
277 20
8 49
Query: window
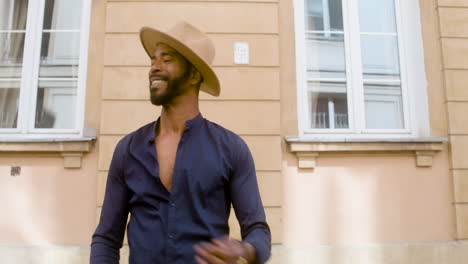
43 48
360 69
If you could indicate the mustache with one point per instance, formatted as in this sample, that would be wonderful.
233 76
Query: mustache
159 76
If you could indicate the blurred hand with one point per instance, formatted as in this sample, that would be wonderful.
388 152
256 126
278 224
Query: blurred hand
224 250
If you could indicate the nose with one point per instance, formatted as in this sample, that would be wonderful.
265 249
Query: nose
155 65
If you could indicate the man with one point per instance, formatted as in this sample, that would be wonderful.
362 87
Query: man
178 176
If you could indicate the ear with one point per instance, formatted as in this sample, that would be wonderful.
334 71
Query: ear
196 77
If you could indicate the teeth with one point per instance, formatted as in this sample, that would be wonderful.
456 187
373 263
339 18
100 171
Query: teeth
157 81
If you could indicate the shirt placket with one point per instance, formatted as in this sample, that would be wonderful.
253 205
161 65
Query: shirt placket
172 212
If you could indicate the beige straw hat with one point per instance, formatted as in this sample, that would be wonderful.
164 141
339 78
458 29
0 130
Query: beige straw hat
193 44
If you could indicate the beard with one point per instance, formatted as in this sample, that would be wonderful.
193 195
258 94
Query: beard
174 88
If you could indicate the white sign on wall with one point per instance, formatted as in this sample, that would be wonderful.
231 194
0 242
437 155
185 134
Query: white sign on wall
241 53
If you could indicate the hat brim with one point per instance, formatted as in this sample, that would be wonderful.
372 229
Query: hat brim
149 37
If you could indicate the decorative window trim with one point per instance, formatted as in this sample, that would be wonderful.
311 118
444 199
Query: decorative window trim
412 74
72 150
28 93
307 151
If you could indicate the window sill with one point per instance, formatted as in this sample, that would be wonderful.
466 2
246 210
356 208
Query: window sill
307 151
72 150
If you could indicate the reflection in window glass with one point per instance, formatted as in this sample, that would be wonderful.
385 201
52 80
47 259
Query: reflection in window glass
9 100
380 65
325 56
62 14
326 64
369 44
13 14
383 106
54 29
324 15
11 54
380 57
328 105
377 16
56 101
60 54
58 71
12 23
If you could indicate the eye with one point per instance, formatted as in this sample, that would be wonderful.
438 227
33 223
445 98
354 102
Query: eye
167 59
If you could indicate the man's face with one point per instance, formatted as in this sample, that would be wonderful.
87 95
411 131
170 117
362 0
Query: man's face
168 75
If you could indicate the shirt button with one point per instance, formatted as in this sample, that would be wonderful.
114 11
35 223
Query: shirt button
173 204
170 236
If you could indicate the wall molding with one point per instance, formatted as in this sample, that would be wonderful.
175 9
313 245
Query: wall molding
72 151
307 151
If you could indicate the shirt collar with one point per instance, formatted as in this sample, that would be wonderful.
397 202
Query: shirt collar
189 124
195 122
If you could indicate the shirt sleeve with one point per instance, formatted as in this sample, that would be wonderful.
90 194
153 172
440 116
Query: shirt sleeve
108 237
248 204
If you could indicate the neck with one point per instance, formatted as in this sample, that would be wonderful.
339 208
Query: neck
174 115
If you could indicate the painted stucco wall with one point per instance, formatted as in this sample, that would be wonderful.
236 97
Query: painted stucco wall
454 38
46 204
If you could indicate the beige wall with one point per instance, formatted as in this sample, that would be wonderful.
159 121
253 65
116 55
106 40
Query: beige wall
46 204
454 37
361 198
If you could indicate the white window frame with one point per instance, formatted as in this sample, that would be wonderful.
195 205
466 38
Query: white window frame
412 75
30 76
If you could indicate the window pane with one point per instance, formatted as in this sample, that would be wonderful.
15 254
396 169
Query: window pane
377 16
11 54
13 14
59 54
62 14
380 57
325 56
323 15
384 107
9 100
56 101
60 50
381 65
328 105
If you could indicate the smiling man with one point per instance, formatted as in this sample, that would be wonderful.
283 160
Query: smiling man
178 177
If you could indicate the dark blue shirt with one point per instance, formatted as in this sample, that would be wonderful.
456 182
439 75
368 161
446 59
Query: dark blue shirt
213 169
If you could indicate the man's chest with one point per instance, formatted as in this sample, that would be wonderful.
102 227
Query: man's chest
166 152
192 168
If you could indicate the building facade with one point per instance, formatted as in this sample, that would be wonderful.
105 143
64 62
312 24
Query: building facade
354 111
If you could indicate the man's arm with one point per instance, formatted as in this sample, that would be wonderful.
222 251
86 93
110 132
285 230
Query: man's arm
255 246
248 204
107 240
